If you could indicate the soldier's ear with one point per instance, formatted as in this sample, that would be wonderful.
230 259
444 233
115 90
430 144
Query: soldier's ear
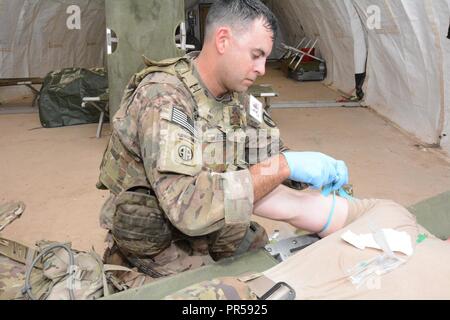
222 39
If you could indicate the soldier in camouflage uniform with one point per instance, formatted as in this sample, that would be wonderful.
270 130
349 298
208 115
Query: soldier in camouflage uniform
190 152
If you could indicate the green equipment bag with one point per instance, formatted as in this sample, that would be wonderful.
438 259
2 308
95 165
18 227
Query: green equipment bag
62 93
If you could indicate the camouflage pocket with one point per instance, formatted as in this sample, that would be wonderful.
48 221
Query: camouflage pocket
139 225
261 144
214 149
120 168
236 139
12 277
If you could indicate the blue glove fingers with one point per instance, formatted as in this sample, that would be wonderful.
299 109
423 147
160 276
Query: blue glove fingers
342 175
330 174
316 169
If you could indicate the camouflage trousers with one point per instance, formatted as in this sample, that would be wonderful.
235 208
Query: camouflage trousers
183 252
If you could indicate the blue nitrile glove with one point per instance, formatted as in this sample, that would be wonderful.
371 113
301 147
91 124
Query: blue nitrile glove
340 180
342 175
316 169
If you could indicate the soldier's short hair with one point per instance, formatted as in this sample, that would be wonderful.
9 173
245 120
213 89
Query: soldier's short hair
238 14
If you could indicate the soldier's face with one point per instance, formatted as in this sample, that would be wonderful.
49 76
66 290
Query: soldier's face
246 56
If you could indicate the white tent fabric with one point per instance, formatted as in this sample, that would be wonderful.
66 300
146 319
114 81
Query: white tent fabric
408 56
407 59
35 38
403 68
442 12
329 22
359 39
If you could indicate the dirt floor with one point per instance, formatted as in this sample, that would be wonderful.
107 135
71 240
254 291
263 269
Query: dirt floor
54 171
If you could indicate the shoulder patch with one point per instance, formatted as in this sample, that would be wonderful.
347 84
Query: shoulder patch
185 152
182 119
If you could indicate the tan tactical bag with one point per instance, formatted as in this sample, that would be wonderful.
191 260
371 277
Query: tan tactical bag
55 271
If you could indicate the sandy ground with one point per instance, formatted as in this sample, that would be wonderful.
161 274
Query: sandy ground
54 171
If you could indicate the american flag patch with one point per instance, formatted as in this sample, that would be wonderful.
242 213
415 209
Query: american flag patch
182 119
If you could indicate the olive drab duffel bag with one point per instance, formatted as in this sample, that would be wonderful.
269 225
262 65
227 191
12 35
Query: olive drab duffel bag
61 96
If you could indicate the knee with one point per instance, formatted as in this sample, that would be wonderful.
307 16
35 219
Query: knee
139 225
238 239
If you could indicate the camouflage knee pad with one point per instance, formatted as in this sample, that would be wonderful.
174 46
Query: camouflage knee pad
139 225
254 239
237 239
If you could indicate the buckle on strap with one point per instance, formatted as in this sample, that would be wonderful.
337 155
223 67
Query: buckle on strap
185 73
280 291
266 289
192 83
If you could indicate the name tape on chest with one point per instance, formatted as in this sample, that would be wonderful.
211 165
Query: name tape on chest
256 109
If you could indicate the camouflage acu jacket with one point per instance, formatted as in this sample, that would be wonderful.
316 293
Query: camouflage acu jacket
191 150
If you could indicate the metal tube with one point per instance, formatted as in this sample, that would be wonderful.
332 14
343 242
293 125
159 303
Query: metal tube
100 125
306 54
309 51
296 55
288 52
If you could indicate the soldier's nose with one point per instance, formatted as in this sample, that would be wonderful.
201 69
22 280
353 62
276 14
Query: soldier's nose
260 68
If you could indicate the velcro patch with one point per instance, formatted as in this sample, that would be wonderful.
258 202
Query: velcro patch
181 118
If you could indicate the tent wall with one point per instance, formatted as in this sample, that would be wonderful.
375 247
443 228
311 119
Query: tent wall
35 39
408 56
330 23
277 51
442 12
405 68
143 28
292 28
